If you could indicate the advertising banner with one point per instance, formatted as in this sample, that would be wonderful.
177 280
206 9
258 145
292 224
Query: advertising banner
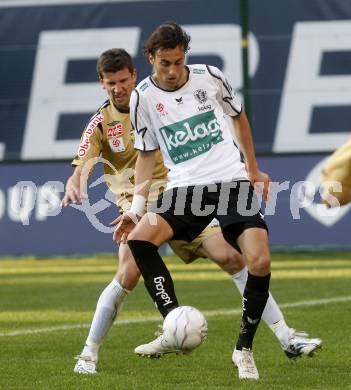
299 56
300 95
32 222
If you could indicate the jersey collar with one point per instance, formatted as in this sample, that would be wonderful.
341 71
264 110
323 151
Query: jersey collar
174 90
121 110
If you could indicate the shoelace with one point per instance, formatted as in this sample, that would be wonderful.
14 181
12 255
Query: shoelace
247 362
158 340
296 333
158 334
85 358
159 330
85 364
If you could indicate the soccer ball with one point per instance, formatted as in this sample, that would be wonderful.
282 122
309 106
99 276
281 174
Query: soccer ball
185 327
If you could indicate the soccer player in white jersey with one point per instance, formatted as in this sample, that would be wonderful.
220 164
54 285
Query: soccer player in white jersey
110 135
181 110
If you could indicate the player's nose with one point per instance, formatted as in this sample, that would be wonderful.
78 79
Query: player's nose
171 71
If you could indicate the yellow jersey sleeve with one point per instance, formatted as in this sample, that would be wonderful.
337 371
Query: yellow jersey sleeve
91 141
338 169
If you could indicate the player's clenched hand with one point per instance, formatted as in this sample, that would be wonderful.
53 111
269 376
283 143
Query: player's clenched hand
261 182
125 224
73 193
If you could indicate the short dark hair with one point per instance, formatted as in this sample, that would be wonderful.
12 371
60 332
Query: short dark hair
167 36
113 60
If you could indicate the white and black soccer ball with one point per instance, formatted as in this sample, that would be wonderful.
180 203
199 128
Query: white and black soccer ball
185 327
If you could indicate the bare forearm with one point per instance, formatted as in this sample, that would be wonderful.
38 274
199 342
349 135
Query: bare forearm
76 174
73 191
144 168
244 137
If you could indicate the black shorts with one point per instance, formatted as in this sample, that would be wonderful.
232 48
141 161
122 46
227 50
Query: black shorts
188 210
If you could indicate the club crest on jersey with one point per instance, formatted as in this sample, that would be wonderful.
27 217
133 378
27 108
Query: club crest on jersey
115 131
159 107
117 145
179 100
200 95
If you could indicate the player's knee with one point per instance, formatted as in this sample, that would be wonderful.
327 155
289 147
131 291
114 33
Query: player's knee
153 237
260 265
134 235
141 233
235 257
128 273
151 228
128 278
229 260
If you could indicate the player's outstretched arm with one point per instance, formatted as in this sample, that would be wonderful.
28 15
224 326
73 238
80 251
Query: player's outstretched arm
144 169
244 137
73 193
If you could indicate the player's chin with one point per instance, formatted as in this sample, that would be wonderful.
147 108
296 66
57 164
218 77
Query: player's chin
172 83
121 101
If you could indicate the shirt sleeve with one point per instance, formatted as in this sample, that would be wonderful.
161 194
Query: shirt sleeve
91 141
145 138
227 97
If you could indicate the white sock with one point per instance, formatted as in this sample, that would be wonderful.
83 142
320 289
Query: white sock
108 305
271 315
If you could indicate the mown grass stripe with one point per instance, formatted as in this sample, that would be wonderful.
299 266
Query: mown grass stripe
23 279
69 266
208 314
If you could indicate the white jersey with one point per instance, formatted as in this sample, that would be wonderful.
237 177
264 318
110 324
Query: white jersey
189 127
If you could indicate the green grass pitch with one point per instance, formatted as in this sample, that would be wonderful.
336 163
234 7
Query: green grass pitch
46 307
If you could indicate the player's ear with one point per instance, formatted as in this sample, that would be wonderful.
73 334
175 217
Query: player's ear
102 82
151 59
134 75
